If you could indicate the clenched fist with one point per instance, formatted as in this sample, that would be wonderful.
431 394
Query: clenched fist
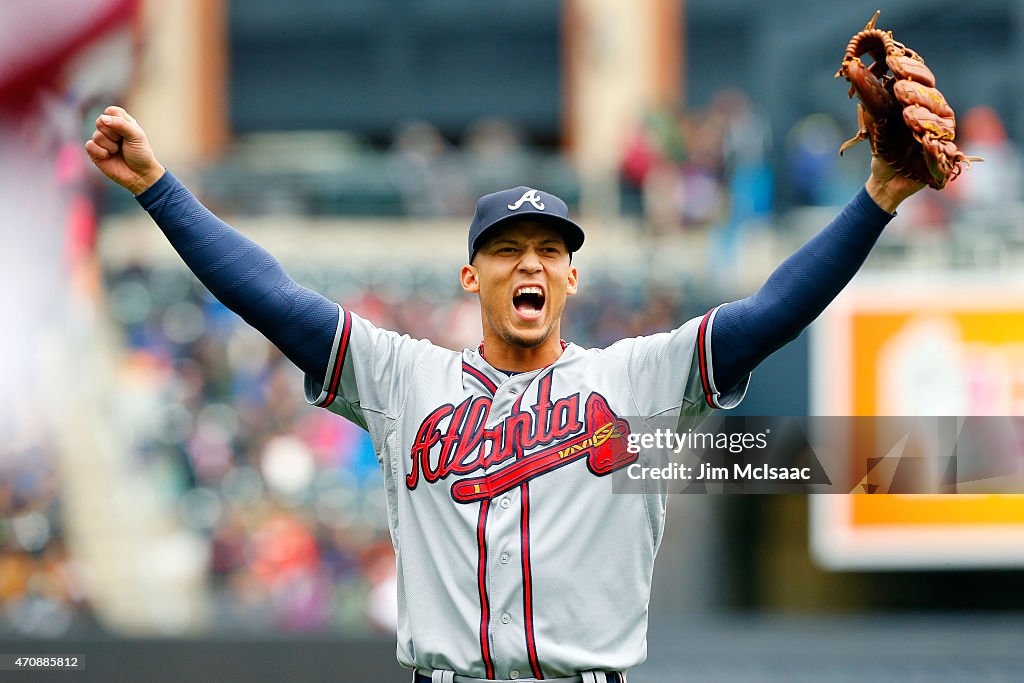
120 150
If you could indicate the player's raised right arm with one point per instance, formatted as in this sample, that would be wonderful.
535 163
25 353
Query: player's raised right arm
240 273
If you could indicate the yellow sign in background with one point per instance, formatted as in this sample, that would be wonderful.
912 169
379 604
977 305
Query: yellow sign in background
945 349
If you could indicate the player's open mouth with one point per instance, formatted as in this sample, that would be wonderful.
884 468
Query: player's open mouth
529 301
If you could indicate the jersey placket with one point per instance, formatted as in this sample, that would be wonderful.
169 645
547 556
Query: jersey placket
503 535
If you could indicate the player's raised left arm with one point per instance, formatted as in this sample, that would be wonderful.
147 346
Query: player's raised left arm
747 331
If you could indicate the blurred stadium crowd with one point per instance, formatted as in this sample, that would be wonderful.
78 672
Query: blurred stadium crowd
698 170
709 168
41 589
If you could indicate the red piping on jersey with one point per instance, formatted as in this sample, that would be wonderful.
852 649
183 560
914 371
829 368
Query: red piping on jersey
524 525
339 361
481 578
702 360
483 379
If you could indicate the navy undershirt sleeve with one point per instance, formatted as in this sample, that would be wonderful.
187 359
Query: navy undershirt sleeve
747 331
245 277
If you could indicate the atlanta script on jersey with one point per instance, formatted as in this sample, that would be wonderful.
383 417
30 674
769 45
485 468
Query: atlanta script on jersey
514 558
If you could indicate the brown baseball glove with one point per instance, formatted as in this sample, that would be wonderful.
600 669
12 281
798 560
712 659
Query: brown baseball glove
909 123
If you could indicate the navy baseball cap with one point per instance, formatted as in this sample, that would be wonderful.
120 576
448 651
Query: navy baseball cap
522 203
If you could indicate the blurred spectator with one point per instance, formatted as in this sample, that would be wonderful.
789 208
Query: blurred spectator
812 150
996 180
700 168
423 168
494 157
700 193
746 142
658 139
651 169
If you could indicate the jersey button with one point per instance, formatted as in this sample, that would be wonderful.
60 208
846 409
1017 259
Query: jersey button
513 674
505 618
505 557
505 502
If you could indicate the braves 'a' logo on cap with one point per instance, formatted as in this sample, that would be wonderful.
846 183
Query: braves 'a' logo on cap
531 196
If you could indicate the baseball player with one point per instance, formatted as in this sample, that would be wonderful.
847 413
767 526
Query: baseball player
514 560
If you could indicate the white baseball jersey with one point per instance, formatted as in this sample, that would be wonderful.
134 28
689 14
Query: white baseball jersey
514 558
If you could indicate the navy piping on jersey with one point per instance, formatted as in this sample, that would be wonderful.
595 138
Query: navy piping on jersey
524 527
480 377
485 607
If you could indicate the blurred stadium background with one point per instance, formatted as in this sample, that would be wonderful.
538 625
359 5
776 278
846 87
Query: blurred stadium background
170 507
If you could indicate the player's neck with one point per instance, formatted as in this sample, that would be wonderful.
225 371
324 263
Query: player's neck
508 357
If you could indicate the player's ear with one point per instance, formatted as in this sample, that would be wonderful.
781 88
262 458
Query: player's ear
573 281
469 280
